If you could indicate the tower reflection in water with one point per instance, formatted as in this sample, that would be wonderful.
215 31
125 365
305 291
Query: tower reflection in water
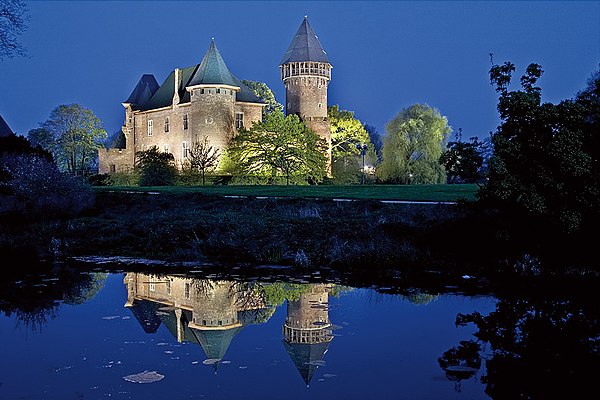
212 312
307 331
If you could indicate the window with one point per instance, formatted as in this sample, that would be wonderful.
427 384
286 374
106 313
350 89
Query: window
167 124
152 285
185 122
168 286
166 148
187 291
150 126
185 150
113 168
239 120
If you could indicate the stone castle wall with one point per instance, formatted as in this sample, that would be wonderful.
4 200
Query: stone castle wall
209 114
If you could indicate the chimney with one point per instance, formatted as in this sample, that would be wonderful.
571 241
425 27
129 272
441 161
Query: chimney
177 85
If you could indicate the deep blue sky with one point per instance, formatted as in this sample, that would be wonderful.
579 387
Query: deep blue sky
386 55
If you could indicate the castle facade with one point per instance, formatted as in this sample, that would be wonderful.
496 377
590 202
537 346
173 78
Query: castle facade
207 100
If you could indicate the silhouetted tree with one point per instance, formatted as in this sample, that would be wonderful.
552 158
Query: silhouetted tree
546 159
156 168
14 16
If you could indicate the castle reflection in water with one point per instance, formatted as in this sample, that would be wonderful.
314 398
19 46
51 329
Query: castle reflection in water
212 312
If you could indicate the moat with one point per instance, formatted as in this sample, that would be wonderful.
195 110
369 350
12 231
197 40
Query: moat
127 333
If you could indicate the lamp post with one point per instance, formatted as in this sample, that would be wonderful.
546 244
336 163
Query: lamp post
362 148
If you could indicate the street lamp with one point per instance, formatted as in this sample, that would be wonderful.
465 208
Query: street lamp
362 148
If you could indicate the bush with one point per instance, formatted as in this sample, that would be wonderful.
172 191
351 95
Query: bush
35 186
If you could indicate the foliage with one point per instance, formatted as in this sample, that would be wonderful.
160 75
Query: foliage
464 160
73 135
36 186
276 293
346 133
156 168
546 156
265 94
279 145
203 157
375 138
414 142
14 16
540 347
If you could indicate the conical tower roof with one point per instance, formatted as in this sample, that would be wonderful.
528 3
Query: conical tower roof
307 357
215 342
213 70
305 46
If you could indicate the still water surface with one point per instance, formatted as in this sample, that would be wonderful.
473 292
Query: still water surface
227 339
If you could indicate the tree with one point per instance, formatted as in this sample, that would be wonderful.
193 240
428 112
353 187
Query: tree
375 138
346 133
414 142
280 145
156 167
464 160
14 16
265 94
203 156
73 135
546 156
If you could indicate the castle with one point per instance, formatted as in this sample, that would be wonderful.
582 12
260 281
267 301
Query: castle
211 313
207 100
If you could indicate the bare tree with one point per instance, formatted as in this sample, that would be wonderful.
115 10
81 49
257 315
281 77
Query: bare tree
14 16
203 156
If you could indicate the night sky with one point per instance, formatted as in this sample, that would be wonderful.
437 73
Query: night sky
386 55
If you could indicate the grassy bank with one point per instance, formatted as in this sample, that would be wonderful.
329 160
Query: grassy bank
382 192
187 224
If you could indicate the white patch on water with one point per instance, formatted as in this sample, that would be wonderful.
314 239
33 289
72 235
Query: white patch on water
144 377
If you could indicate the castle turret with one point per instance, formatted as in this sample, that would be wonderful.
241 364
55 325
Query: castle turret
306 72
307 331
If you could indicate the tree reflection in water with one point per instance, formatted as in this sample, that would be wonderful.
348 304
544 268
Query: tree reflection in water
540 348
35 299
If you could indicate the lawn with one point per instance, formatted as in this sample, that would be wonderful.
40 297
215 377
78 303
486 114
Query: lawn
382 192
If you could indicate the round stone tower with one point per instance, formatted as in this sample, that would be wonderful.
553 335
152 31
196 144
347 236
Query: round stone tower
306 72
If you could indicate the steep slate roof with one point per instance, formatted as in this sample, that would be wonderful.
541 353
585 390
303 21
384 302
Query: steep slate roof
145 313
4 128
211 71
143 91
305 46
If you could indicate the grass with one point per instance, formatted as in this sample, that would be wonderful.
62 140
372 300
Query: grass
377 192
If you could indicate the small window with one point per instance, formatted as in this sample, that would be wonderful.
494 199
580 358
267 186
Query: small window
150 126
239 120
201 91
152 285
187 291
185 150
113 168
204 322
166 148
320 105
218 90
185 121
167 124
168 285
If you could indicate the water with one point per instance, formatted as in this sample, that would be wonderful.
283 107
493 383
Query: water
78 335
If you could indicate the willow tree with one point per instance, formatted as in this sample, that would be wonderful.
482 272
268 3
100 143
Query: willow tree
414 142
279 146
